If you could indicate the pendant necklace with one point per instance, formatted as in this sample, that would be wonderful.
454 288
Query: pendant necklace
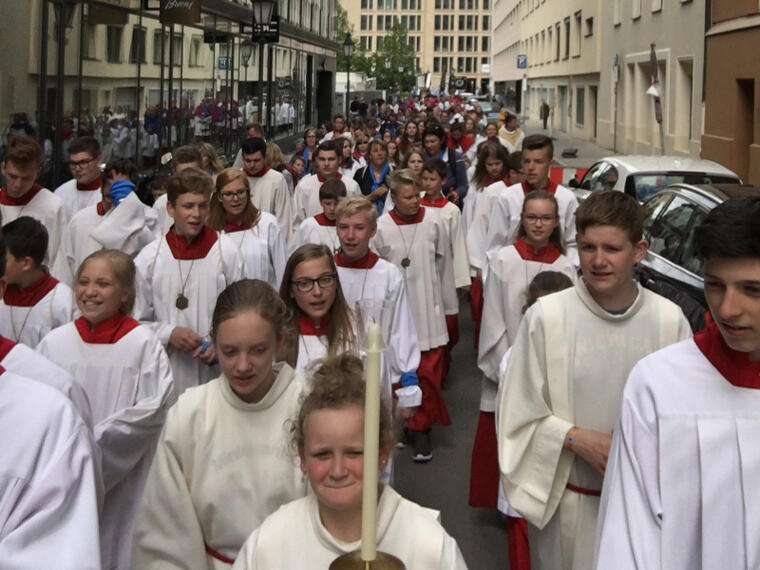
406 262
182 302
17 337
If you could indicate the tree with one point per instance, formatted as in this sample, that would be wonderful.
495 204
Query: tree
396 49
359 60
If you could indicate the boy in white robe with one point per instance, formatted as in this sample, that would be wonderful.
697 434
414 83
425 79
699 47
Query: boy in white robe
537 154
119 221
564 381
321 228
269 191
365 277
415 239
306 193
34 302
180 276
49 475
680 490
83 189
338 129
22 197
188 156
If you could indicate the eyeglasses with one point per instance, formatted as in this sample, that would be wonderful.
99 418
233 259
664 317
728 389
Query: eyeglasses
534 219
232 194
80 163
324 281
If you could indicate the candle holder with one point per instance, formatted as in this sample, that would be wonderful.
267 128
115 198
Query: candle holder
370 312
353 561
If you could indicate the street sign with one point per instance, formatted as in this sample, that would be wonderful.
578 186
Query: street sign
224 62
267 32
522 62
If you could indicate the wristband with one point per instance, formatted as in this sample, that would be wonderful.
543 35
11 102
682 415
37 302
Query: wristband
571 434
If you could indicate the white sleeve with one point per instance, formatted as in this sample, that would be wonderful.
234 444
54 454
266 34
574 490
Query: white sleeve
233 260
459 249
445 266
277 255
629 533
493 329
284 208
476 233
144 310
300 204
500 226
63 267
246 558
451 556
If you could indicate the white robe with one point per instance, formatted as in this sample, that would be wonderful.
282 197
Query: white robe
24 361
129 227
164 221
681 488
469 207
311 231
74 199
506 211
129 385
504 297
452 219
429 278
48 480
482 211
159 281
568 367
306 195
30 324
222 466
48 209
263 250
270 193
295 538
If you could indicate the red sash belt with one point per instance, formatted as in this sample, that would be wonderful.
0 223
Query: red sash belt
218 555
583 490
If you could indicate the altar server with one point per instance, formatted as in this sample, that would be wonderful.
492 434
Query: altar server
680 490
564 381
223 463
34 302
366 277
126 375
414 239
22 197
320 229
269 191
84 188
322 323
306 194
181 274
315 530
119 221
188 156
537 155
256 232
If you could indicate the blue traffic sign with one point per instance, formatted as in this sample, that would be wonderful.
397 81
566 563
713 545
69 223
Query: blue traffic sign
522 62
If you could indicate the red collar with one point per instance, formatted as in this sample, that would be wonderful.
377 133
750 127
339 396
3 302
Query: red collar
101 209
439 202
488 181
323 179
7 200
734 366
231 226
93 185
198 249
307 327
551 187
108 332
6 345
338 133
261 173
31 295
322 220
367 261
357 155
402 220
547 254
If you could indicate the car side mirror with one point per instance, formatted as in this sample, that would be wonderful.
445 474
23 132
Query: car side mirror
573 183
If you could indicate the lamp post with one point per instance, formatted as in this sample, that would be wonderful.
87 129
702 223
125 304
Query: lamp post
246 51
262 16
348 51
400 78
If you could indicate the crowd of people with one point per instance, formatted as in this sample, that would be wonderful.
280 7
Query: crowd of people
182 372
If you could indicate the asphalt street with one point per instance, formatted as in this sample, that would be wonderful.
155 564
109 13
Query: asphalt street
444 482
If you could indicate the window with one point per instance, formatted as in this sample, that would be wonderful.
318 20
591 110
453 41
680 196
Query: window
389 22
484 43
636 9
672 232
559 42
194 58
580 105
157 35
437 43
380 21
436 64
486 23
363 22
177 49
578 31
88 51
601 176
437 22
137 47
566 53
589 27
460 47
379 43
113 42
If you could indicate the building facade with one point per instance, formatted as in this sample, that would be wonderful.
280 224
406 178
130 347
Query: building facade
448 37
626 120
732 114
110 66
506 73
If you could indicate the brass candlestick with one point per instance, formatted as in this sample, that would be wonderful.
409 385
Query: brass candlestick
353 561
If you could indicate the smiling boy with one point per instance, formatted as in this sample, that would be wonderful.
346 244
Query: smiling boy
563 386
680 491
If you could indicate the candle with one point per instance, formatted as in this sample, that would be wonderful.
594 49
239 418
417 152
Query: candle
371 444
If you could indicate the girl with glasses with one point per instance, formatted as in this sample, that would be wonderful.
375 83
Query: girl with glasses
255 232
322 322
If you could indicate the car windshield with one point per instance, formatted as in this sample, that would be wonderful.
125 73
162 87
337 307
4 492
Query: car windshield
647 184
486 106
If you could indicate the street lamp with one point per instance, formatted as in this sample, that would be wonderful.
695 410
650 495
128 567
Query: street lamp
262 16
246 51
348 51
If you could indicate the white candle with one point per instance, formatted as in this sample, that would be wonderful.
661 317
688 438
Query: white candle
371 444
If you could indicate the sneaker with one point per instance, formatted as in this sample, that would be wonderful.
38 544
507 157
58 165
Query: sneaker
403 439
422 452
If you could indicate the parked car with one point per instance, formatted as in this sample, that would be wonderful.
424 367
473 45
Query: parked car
642 176
671 266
